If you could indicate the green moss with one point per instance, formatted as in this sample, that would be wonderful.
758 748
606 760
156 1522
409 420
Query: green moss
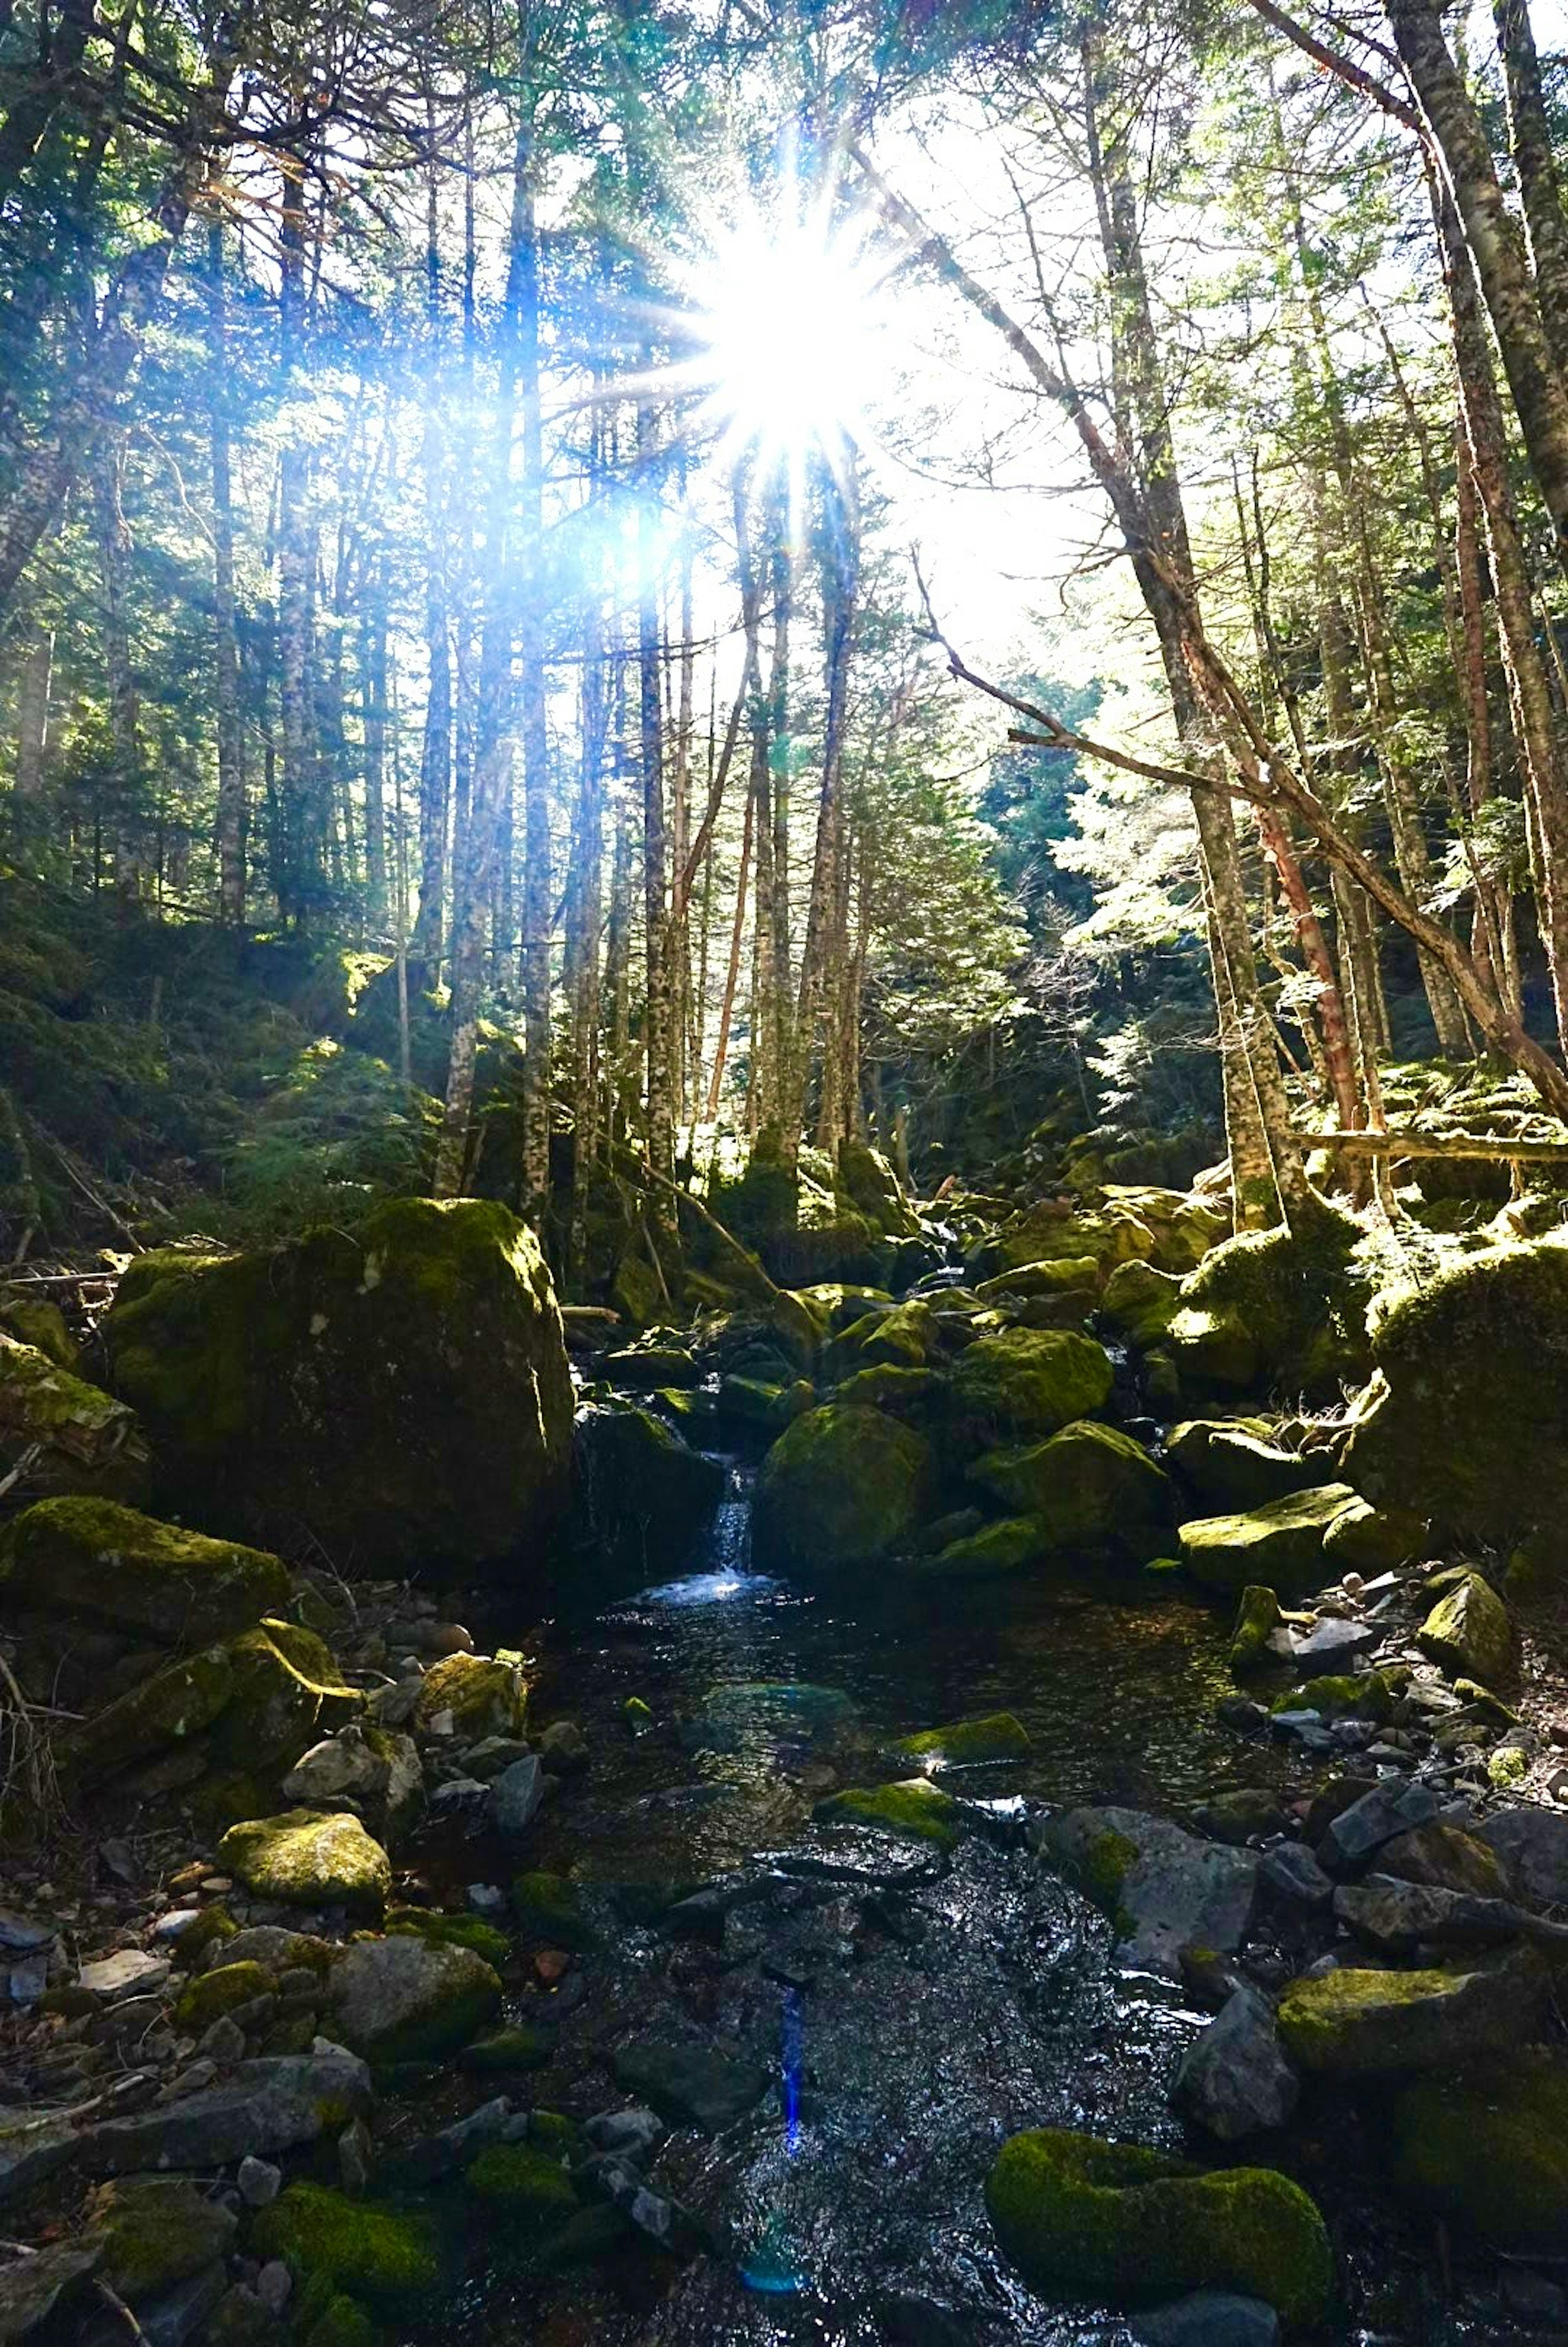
525 2181
1101 1870
159 2230
1489 2151
92 1557
1468 1631
286 1689
549 1909
1359 2024
363 2246
515 2048
1508 1766
172 1706
915 1811
338 2322
485 1697
636 1715
220 1990
1257 1618
438 1930
1141 1302
1114 2221
890 1387
1281 1545
1278 1308
901 1339
77 1439
997 1736
1349 1695
552 2133
843 1486
309 1859
213 1925
40 1325
1032 1381
1007 1546
1095 1493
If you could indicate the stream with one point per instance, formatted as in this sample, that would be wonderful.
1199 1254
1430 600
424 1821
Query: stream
909 2012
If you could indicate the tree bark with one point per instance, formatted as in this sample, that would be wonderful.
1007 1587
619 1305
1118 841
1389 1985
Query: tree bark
231 811
1535 163
650 705
28 824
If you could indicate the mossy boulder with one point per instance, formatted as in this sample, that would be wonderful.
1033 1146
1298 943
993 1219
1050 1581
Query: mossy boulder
549 1908
1095 1493
1467 1417
483 1696
1116 2222
1489 2150
1368 1539
527 2182
843 1486
1235 1464
519 2047
1071 1275
915 1811
307 1857
1031 1382
174 1707
835 1306
902 1393
364 2247
901 1339
221 1991
1257 1618
407 1998
641 1495
403 1390
34 1322
997 1736
64 1434
1280 1545
1011 1545
1280 1309
1140 1302
1467 1632
1349 1695
157 2231
867 1179
285 1688
1360 2024
110 1564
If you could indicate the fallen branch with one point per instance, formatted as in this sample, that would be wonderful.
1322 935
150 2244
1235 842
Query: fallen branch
1499 1148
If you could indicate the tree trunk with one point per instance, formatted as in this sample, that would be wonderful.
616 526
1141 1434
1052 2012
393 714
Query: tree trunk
1534 161
373 683
523 305
299 783
821 975
114 572
231 811
427 942
658 1007
28 824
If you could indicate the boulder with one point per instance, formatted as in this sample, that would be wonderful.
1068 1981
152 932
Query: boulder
843 1486
372 1771
306 1858
1258 1621
1467 1632
1092 1490
157 2231
998 1736
690 2084
403 1391
1467 1417
53 2280
481 1694
1031 1382
1357 1830
1531 1846
1140 1302
405 1999
108 1564
1234 2079
1280 1545
1367 2025
1446 1857
268 2106
1368 1539
901 1337
175 1705
1401 1917
1165 1891
1011 1545
1210 2318
1278 1310
915 1811
1114 2222
1489 2150
65 1435
1233 1465
641 1495
368 2251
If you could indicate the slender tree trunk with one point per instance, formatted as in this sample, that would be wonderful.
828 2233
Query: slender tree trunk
28 824
816 1004
1535 163
732 968
114 572
373 680
427 943
301 780
231 811
657 1015
582 973
537 893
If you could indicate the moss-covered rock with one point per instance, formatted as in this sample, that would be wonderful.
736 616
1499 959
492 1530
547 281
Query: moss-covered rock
1353 2024
1031 1382
407 1998
997 1736
1095 1493
1140 1302
484 1696
1284 1309
110 1564
1011 1545
159 2230
403 1391
286 1689
549 1908
34 1322
1257 1617
442 1930
914 1811
175 1705
526 2181
843 1486
1467 1632
901 1339
221 1991
1489 2150
308 1859
1114 2221
1280 1545
1466 1418
902 1393
1351 1695
641 1494
1236 1464
364 2247
1368 1539
1071 1275
64 1434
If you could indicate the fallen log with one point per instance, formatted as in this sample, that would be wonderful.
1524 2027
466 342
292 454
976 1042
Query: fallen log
1500 1148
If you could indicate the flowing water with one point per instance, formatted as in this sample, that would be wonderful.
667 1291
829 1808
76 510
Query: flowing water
909 2012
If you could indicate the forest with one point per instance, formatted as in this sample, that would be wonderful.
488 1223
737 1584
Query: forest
783 1173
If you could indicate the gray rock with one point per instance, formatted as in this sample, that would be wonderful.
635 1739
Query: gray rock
1400 1916
269 2106
1210 2318
404 1998
20 1935
435 2156
634 2134
1234 2079
664 2221
259 2182
33 2145
1362 1829
1331 1646
355 2154
223 2041
1531 1847
171 1928
32 2287
28 1978
181 2313
275 2285
380 1777
1176 1891
1290 1872
564 1748
129 1971
457 1798
486 1899
493 1753
516 1796
690 2085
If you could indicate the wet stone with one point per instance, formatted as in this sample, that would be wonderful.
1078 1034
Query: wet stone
1209 2318
690 2085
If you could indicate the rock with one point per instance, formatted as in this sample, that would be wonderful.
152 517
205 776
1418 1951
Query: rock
844 1486
505 2050
1140 1302
1113 2222
1031 1382
1236 1816
642 1495
1011 1545
109 1563
171 1707
548 1907
402 1998
269 2106
1366 1824
515 1795
1234 2079
998 1736
74 1439
1489 2150
1280 1545
1163 1889
1257 1619
1363 2024
33 2145
275 2288
1446 1856
484 1696
1232 1464
259 2182
435 2156
1330 1647
157 2231
42 1326
1210 2318
405 1391
376 1769
47 2281
359 2245
1292 1873
526 2182
1467 1632
1374 1540
129 1971
1401 1917
631 2134
1092 1490
1533 2300
308 1859
1283 1307
690 2084
1531 1846
223 1989
355 2158
179 2317
915 1811
564 1748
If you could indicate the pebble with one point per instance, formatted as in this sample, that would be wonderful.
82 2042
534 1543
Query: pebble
129 1971
486 1899
259 2181
224 2041
275 2287
171 1927
355 2156
194 2079
21 1935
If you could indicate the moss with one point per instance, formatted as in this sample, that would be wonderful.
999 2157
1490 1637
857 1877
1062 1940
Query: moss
1361 2023
220 1990
77 1439
338 2322
1489 2151
1141 1302
1281 1545
308 1859
560 2138
1099 1873
997 1736
515 2048
1095 1493
441 1930
915 1811
485 1697
549 1909
888 1387
1278 1308
1373 1539
636 1715
901 1339
1349 1695
157 2231
843 1486
363 2246
171 1707
1236 1463
1009 1545
1115 2221
40 1325
1032 1381
1257 1619
1508 1766
94 1557
1468 1631
525 2181
212 1926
